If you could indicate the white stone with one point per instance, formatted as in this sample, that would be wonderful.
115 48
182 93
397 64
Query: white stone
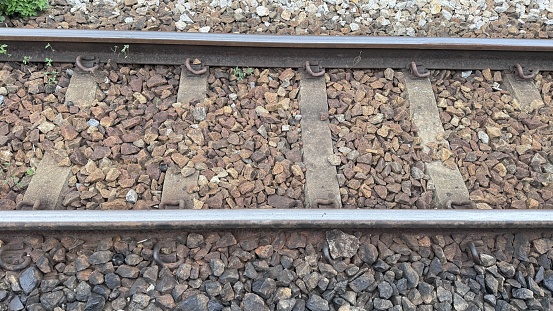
205 29
129 20
262 11
354 26
131 196
180 25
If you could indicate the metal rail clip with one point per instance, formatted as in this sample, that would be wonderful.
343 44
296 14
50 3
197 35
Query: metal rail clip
16 265
331 203
523 72
473 253
86 63
418 71
314 69
459 204
195 68
161 263
179 203
22 204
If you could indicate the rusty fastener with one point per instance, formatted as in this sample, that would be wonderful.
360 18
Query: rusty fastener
79 63
192 70
326 254
179 203
414 69
452 204
330 202
34 205
319 73
473 253
520 71
162 263
14 267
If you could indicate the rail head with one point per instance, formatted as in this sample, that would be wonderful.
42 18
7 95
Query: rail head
274 218
265 40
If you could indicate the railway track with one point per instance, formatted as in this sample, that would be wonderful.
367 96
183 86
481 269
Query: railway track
143 131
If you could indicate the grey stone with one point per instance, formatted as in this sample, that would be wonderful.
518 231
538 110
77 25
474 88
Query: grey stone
487 260
29 279
213 288
407 304
459 303
128 271
112 280
426 290
95 303
196 302
380 266
317 303
444 295
507 269
341 244
410 274
230 275
385 290
523 293
100 257
194 240
361 283
252 302
382 304
286 304
491 284
217 266
368 253
166 283
83 291
16 304
51 300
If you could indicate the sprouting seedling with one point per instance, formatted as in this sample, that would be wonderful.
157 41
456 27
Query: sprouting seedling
242 73
48 62
52 77
26 59
125 50
4 50
48 46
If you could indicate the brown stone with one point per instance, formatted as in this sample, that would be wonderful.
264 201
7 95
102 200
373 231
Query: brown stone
216 201
68 132
156 80
100 152
381 191
265 251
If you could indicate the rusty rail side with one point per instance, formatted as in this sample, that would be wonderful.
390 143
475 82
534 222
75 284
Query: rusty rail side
172 48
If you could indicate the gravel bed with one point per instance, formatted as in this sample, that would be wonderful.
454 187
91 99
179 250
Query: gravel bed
120 141
31 108
374 141
503 153
250 126
450 18
281 270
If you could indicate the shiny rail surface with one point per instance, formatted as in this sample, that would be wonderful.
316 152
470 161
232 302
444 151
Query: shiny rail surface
271 218
172 48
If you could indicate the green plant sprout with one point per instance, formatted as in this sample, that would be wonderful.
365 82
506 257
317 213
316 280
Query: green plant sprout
10 178
124 50
50 47
48 62
26 59
52 77
4 50
241 73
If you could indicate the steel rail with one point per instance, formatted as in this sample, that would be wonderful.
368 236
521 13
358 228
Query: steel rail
274 218
172 48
